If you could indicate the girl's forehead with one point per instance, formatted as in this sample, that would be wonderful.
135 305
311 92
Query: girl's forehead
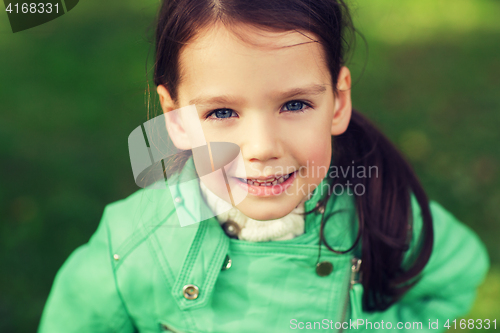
248 42
251 35
248 51
263 37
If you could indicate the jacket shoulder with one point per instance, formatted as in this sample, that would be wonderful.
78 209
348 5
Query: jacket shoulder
139 213
451 238
459 260
447 286
84 297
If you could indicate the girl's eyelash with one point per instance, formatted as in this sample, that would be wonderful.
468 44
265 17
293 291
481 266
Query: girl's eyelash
208 116
307 105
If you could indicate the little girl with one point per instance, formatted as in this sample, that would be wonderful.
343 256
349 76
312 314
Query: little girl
323 225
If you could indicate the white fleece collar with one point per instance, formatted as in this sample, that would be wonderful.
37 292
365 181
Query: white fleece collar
287 227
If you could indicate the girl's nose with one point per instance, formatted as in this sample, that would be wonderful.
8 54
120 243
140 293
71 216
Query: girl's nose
262 142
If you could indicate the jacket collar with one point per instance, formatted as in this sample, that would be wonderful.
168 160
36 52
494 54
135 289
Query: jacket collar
207 246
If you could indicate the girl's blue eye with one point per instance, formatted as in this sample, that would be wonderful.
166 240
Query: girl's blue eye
221 114
295 106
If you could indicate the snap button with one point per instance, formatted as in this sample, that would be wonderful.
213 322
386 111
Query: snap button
324 268
227 263
190 291
178 199
232 229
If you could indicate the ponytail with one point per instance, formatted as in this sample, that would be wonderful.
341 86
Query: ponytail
384 212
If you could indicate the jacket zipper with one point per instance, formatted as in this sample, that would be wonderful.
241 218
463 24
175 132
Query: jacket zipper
356 265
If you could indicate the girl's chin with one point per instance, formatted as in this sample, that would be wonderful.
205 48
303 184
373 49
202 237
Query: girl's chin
264 215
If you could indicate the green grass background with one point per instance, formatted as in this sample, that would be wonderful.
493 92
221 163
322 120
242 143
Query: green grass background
73 89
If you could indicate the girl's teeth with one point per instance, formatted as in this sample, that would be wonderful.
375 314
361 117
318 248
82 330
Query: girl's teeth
265 181
270 182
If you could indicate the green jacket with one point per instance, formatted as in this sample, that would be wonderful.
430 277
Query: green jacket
130 276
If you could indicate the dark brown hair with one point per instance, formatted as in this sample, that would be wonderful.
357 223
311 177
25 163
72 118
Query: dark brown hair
384 210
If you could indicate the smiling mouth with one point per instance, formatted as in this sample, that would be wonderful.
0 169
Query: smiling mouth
267 182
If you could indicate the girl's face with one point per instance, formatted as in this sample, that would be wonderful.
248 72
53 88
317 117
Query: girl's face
271 94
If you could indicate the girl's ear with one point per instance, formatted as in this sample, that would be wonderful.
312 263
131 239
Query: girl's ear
173 120
343 105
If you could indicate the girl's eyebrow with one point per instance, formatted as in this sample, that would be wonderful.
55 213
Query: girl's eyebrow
313 89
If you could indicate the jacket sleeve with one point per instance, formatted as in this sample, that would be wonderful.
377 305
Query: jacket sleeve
447 289
84 297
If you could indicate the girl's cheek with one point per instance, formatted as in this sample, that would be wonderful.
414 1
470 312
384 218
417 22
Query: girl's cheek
316 159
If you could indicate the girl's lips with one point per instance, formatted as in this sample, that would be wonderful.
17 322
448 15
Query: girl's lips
266 191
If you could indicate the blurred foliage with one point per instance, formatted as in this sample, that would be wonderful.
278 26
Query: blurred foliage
73 89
